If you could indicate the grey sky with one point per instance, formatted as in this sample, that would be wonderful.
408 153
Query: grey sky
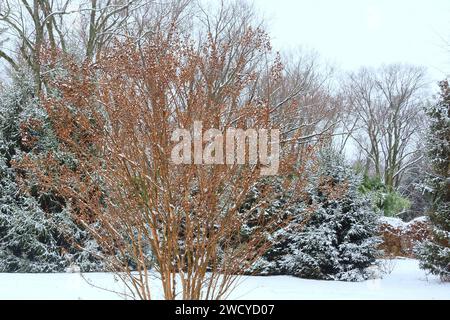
353 33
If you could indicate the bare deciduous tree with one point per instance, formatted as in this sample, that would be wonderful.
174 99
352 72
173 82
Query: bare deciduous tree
305 87
31 25
387 107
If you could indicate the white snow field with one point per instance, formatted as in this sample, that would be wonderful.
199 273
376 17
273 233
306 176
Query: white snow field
406 281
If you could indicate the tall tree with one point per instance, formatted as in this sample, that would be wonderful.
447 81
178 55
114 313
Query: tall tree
183 220
34 25
37 233
435 254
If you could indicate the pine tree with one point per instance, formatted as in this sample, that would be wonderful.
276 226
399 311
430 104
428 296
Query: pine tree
289 211
339 241
332 231
435 254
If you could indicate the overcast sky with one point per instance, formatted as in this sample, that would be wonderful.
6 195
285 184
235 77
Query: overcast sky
353 33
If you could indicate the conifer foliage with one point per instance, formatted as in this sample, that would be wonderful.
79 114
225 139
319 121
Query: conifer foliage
435 254
336 240
34 226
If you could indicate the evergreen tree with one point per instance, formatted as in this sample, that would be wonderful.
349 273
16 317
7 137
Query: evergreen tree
339 240
331 232
289 212
435 254
34 228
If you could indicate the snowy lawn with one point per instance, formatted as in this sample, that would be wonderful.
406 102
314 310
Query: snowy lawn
406 281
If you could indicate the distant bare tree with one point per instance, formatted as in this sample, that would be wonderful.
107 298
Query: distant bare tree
102 20
306 88
302 105
31 25
387 107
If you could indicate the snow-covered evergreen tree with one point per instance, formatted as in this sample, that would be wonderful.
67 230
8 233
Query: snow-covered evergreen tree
34 237
287 211
339 240
435 254
332 232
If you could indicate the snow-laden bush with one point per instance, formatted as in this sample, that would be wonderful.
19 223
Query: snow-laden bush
339 240
26 240
37 233
332 231
400 238
435 254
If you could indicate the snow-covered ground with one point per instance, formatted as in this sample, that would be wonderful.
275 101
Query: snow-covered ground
406 281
